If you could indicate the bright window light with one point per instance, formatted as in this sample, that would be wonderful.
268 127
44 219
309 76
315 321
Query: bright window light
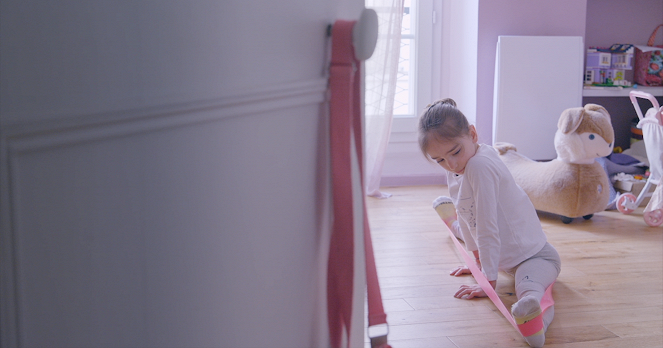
404 99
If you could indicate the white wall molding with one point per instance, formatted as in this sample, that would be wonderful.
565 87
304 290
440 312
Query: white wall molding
30 136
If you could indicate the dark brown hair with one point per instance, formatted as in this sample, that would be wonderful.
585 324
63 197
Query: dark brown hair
441 121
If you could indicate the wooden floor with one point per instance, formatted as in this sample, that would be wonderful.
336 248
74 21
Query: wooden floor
609 293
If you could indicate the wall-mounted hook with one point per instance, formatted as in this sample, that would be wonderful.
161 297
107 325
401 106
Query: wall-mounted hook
364 34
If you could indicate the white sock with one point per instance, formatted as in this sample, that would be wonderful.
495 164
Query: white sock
447 211
445 208
526 309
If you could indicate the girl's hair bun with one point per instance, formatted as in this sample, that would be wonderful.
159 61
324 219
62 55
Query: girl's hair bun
448 101
444 101
441 120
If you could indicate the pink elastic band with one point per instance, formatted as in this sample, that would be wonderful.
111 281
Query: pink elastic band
531 327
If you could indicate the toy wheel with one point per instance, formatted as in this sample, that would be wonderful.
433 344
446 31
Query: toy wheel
625 202
567 220
654 218
587 217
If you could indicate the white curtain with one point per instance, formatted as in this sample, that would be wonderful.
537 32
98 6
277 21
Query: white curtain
381 72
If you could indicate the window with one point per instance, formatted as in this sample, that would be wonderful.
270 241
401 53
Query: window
414 86
406 79
437 35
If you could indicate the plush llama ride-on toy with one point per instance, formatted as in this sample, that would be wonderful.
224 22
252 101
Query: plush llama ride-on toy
574 184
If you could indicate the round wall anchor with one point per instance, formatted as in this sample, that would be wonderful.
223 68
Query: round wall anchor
365 34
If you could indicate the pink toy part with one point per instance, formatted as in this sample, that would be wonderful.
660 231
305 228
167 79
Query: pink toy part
653 213
652 135
654 218
633 95
626 203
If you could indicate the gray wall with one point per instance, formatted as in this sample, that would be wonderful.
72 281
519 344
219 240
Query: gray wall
164 172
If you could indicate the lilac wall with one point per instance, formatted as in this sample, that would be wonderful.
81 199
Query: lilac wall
515 17
618 21
600 22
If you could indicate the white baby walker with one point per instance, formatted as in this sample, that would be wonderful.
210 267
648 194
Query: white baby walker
652 135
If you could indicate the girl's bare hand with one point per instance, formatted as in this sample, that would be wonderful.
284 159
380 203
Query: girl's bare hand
470 291
460 271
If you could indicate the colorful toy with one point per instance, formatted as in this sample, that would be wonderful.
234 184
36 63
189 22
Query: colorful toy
607 66
574 184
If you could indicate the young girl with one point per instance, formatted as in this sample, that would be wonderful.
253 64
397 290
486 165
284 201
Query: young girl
498 223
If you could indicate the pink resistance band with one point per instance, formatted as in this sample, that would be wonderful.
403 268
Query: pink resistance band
527 329
345 126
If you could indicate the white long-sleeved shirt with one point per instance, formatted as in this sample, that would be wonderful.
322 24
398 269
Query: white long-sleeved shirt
496 216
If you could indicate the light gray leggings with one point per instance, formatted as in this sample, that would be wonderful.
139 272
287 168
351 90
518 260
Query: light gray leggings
534 275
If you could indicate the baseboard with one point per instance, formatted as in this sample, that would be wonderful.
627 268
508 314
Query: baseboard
413 180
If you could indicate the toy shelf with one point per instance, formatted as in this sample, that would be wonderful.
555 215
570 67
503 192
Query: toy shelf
592 91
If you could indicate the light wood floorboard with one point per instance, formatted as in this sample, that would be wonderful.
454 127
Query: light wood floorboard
609 293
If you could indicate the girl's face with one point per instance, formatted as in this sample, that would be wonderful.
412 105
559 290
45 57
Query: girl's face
453 154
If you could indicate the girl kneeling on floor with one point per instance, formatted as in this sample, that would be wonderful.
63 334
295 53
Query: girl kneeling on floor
490 213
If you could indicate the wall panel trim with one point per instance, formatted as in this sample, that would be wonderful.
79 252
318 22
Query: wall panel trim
74 129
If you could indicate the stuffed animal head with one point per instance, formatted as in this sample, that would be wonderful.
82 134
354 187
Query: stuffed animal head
584 134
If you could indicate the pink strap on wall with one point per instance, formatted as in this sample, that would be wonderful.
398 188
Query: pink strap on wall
346 123
340 269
